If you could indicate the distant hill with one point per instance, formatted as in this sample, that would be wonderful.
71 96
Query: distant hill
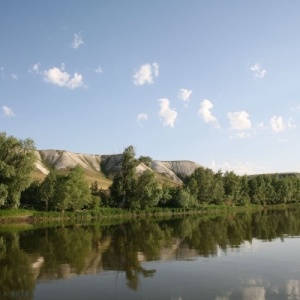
101 168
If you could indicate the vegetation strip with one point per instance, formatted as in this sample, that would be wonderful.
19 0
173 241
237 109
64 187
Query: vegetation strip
68 195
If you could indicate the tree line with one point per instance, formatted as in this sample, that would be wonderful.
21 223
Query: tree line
130 190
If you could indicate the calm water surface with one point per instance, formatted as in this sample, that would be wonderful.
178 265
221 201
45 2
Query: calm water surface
243 256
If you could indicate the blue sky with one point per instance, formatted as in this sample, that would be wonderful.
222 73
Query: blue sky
216 82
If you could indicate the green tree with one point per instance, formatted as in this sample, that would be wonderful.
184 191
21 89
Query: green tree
48 190
78 190
168 195
30 197
202 185
124 182
184 199
65 192
218 191
17 161
244 193
232 187
148 191
146 160
72 191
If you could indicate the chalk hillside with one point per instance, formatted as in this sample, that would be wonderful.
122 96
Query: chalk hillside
101 168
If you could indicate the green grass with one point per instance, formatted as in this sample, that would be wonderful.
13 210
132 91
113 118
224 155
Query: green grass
13 213
23 215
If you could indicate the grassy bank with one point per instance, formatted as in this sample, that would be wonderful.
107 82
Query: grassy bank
33 216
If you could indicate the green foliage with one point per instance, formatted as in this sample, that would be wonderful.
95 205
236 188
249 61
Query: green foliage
205 186
124 182
70 192
167 197
48 190
148 191
129 190
17 158
146 160
77 189
184 199
31 195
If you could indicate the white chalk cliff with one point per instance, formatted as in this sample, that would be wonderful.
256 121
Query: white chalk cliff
108 164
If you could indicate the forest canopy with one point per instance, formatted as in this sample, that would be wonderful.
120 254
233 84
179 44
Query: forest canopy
17 161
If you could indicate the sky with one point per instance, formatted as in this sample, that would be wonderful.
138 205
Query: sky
212 81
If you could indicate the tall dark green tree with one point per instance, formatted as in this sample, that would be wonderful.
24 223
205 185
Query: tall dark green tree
232 187
48 190
124 182
17 159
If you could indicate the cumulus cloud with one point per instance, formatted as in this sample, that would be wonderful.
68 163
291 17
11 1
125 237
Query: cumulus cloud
185 94
279 125
142 117
77 41
205 113
146 74
258 71
167 114
61 78
8 111
14 76
239 120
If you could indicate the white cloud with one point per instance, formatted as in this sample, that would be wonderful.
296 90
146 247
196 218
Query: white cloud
293 289
258 71
146 74
167 114
14 76
295 108
239 120
291 123
239 167
77 41
59 77
35 68
205 113
277 124
8 111
185 94
142 117
241 135
98 70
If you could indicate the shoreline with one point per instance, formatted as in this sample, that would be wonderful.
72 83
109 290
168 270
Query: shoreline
33 217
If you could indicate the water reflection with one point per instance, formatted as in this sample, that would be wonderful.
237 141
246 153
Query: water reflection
35 256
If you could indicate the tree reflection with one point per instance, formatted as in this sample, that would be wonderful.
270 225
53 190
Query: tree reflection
66 251
16 276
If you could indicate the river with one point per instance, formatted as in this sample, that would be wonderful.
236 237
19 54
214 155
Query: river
237 256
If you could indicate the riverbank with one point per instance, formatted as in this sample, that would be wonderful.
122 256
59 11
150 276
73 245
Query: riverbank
33 216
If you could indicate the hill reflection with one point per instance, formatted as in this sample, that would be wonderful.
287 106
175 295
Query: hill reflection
61 252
